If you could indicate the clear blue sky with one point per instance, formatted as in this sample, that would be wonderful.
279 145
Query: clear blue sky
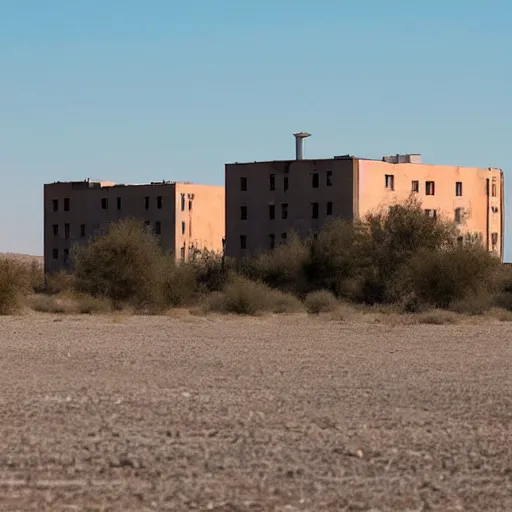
140 90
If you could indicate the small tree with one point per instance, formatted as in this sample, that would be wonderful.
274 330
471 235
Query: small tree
124 265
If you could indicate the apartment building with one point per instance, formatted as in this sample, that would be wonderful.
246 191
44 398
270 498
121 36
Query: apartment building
266 200
185 217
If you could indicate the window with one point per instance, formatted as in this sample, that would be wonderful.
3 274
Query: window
458 215
159 202
146 223
67 230
146 202
243 212
66 204
271 211
415 186
430 188
182 202
272 182
494 240
190 206
55 205
243 184
190 229
272 241
66 254
243 242
314 210
431 213
118 201
389 181
285 183
82 230
55 254
284 236
315 182
493 188
460 241
104 203
183 228
158 227
182 253
328 178
458 188
284 211
329 208
494 209
55 228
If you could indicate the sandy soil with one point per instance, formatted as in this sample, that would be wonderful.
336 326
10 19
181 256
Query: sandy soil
266 414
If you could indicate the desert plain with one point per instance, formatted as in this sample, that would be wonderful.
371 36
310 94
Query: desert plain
277 413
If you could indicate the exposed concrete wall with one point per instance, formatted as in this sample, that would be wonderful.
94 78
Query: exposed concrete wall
200 219
482 210
298 195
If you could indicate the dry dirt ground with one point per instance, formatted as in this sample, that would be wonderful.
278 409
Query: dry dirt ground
266 414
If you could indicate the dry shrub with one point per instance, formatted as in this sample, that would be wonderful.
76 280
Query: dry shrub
13 284
67 304
436 317
321 301
245 297
125 265
60 282
281 268
179 283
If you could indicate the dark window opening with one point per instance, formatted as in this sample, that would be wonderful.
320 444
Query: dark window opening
284 210
66 204
158 228
243 184
104 203
271 211
146 202
182 254
315 182
314 210
67 230
182 202
329 208
458 188
183 228
415 186
272 241
55 254
458 215
243 212
272 182
66 254
243 242
118 201
430 188
493 188
328 178
159 202
494 240
82 230
431 213
460 241
389 181
55 205
190 206
55 228
285 183
284 236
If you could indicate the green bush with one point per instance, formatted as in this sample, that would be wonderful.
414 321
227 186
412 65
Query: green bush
321 301
125 265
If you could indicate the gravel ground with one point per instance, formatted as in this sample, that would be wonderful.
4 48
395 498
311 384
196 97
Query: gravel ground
266 414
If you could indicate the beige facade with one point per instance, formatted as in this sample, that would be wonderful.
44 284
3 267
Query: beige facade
185 217
265 200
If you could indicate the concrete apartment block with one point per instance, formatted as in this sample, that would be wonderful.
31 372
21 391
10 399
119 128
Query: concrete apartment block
266 200
185 217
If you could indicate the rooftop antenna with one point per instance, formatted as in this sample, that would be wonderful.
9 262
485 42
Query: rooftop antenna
299 144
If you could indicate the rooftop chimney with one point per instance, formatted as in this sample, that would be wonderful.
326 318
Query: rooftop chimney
299 144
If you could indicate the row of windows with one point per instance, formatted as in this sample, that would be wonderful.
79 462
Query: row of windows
157 230
105 203
315 209
315 181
